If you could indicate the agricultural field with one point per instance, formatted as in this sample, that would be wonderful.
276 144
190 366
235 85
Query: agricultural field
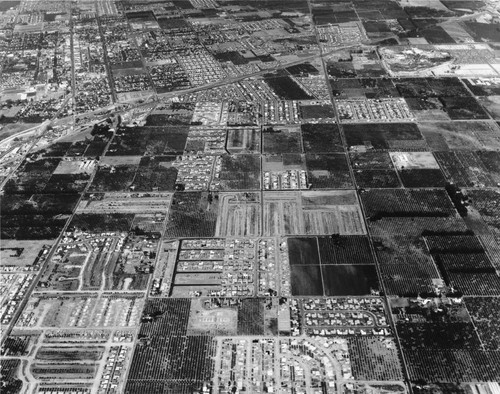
117 178
483 86
321 138
342 280
452 365
460 136
455 344
297 197
470 169
405 264
36 227
431 87
32 176
463 108
375 358
492 106
407 203
192 214
278 140
155 174
370 88
485 316
487 204
373 169
384 136
236 172
99 223
148 141
345 249
371 160
191 356
171 114
328 171
312 276
314 111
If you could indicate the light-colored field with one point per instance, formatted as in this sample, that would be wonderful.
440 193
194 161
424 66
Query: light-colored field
318 199
30 249
492 105
75 167
312 213
211 321
431 115
414 160
189 291
120 160
131 96
473 135
238 217
13 128
457 32
198 279
150 222
128 203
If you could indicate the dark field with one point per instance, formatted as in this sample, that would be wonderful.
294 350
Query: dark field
239 172
102 223
323 111
459 108
346 249
417 178
113 179
343 280
251 317
306 280
379 135
155 173
376 178
303 251
192 215
287 89
281 141
328 171
171 359
170 317
321 138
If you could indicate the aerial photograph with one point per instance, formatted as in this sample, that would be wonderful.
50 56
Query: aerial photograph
250 196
